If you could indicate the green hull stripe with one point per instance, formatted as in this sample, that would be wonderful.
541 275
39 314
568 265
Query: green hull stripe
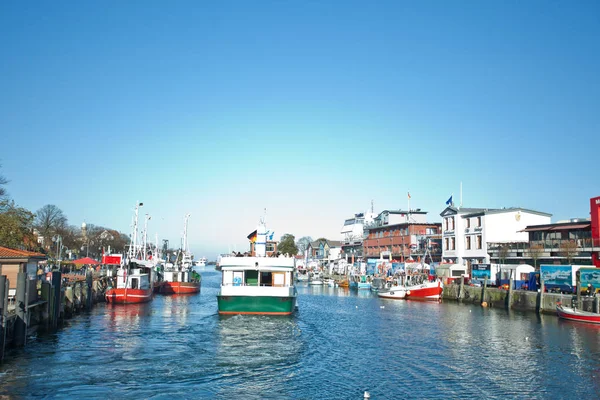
256 304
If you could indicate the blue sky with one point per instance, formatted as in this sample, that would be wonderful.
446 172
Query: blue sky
310 109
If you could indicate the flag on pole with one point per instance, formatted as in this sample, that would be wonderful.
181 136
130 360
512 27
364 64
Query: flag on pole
449 201
409 195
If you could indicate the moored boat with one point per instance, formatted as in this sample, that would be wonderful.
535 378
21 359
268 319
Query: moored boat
257 284
180 278
425 291
135 277
395 292
133 285
573 314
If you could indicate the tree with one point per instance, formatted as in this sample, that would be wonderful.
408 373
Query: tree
3 181
302 244
16 227
535 252
48 221
503 253
568 249
287 245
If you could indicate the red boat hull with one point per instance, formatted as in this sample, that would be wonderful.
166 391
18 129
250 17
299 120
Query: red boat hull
431 291
580 316
128 296
180 287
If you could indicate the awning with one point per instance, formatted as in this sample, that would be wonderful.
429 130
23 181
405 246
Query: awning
579 226
535 228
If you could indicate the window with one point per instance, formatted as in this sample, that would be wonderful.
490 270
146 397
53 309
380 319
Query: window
270 247
479 222
479 241
452 220
446 223
452 243
446 244
468 242
468 222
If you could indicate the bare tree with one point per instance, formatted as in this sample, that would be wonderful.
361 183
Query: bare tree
535 251
503 253
568 249
303 243
49 220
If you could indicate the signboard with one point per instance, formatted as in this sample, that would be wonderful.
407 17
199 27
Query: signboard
557 276
112 259
481 271
590 275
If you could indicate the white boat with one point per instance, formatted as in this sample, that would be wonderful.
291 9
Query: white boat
330 282
302 274
201 262
395 292
257 284
315 278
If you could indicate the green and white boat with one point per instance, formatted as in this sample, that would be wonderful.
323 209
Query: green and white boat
257 284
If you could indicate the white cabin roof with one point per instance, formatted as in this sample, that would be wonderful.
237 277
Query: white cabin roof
240 263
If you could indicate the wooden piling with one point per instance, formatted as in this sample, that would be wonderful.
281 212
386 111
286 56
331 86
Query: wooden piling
511 283
20 330
89 280
55 297
542 289
578 288
460 289
597 304
3 307
484 290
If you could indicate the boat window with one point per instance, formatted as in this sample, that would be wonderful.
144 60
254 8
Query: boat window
266 279
134 283
251 278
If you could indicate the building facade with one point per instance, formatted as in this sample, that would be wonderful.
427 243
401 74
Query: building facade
402 235
466 232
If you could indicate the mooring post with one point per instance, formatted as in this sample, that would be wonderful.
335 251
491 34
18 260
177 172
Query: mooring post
511 282
89 280
542 289
20 331
3 307
484 289
56 288
597 304
578 289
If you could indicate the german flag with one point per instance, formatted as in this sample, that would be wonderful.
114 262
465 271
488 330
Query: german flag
252 237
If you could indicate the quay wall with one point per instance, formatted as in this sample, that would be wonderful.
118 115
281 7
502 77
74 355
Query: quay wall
44 305
522 300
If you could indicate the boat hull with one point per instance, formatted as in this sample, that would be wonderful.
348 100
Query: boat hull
393 293
261 305
426 291
128 296
180 288
576 315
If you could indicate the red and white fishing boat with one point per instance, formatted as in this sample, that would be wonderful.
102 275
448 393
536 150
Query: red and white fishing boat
577 315
180 278
133 285
425 291
135 277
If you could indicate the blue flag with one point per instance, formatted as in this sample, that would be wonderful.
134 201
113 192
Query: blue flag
449 201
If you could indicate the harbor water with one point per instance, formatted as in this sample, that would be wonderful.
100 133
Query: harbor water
339 344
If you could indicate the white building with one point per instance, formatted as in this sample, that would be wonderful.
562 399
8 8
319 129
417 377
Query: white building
466 232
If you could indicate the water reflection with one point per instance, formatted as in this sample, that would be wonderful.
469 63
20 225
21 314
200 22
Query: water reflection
256 354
